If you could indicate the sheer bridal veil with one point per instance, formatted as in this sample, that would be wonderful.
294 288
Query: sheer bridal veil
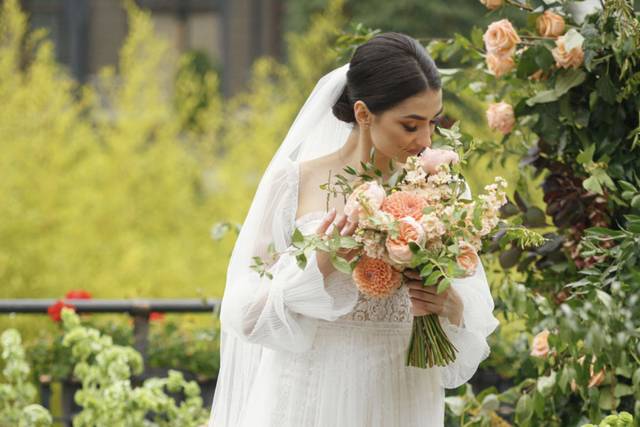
314 133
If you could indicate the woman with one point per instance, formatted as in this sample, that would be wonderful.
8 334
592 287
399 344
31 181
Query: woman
303 347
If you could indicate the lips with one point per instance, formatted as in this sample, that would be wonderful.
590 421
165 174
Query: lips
416 152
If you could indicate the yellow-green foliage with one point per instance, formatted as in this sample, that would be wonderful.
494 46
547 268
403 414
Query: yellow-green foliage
257 120
104 188
100 189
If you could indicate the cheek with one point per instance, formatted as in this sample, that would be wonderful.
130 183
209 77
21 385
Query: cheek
391 141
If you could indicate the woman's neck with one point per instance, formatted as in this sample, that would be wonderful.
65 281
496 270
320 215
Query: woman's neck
357 148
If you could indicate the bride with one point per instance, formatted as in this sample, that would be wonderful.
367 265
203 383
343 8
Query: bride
303 347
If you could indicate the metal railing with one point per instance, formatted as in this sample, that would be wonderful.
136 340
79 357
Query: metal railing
139 309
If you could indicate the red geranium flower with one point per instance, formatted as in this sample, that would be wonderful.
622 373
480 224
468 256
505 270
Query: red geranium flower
156 316
78 294
55 310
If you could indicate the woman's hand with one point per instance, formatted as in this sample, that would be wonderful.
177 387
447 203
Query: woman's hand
425 300
345 228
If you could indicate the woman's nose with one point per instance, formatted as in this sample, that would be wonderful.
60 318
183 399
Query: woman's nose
424 137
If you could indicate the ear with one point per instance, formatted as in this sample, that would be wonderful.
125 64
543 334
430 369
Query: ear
362 114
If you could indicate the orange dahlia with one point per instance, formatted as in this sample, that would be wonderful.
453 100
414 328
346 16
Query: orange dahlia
376 278
403 203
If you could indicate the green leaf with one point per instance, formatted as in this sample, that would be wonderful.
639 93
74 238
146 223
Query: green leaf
569 79
543 97
426 270
297 236
456 404
546 384
443 285
524 409
592 184
301 260
340 264
623 390
586 156
490 403
433 278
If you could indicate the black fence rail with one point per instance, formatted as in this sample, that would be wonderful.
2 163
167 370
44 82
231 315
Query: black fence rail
140 310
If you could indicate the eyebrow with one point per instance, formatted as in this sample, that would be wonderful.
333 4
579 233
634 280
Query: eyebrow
417 117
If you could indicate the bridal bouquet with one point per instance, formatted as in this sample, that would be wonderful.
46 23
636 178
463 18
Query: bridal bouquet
423 223
418 220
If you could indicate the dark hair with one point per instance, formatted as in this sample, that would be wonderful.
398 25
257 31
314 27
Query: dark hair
384 71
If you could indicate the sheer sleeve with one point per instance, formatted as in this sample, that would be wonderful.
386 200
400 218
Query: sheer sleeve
282 313
478 322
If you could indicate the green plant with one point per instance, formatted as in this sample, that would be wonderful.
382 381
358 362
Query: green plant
17 394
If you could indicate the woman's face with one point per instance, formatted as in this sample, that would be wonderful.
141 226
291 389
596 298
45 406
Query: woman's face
407 128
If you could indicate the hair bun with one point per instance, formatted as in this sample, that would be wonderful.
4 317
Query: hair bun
343 109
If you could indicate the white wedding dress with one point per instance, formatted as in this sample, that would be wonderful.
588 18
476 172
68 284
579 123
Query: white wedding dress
330 356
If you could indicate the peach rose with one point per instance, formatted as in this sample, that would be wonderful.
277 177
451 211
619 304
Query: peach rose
491 4
376 278
431 158
402 203
372 196
409 230
500 117
467 258
500 65
572 59
540 344
501 38
550 24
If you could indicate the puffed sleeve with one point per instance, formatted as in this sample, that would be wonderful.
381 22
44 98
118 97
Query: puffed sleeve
478 322
282 312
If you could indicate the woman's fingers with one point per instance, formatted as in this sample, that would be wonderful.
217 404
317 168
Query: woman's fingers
326 222
349 228
427 296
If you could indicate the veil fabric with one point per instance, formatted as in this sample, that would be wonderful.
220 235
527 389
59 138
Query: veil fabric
261 315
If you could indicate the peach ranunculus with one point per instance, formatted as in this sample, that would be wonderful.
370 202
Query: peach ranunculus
491 4
376 278
500 117
409 230
364 200
499 65
540 344
567 59
403 203
501 38
550 24
432 158
467 258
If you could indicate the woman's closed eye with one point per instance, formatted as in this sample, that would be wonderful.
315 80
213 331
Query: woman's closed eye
434 122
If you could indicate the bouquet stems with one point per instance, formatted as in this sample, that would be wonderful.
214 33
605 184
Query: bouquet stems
429 345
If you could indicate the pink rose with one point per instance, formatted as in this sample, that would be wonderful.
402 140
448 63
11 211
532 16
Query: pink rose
501 38
467 258
540 344
500 65
550 24
491 4
409 231
500 117
371 194
572 59
430 159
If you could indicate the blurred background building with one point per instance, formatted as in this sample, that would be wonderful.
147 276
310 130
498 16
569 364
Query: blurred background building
88 34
